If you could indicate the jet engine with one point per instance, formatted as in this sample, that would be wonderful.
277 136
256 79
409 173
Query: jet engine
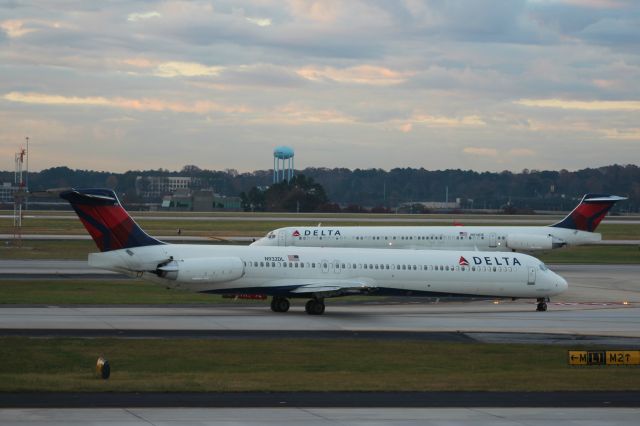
532 242
206 270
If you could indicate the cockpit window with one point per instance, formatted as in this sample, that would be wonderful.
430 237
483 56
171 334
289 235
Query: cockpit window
543 267
271 235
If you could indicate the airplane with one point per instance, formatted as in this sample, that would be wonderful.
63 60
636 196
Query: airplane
304 272
577 228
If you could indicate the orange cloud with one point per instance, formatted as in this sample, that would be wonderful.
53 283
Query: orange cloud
443 121
15 28
581 105
622 134
361 74
145 104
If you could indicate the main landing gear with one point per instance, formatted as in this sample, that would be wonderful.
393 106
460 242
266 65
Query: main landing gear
280 304
313 306
542 304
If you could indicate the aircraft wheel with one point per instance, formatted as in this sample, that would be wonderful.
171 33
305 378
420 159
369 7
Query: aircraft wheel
314 307
280 304
542 307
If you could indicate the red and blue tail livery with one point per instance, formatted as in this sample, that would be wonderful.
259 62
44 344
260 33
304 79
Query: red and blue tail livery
589 213
107 222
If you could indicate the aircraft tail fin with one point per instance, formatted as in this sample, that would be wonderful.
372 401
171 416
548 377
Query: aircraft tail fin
589 213
106 220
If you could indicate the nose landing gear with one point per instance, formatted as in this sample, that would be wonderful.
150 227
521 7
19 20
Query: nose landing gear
542 304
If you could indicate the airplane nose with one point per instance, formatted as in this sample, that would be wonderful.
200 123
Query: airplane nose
562 284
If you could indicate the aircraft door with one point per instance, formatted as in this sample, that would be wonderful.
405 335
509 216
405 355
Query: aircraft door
336 267
531 280
325 266
492 240
282 235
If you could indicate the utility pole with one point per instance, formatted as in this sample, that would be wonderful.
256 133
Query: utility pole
26 186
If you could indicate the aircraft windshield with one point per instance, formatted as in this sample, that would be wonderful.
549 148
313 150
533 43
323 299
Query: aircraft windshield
271 235
543 267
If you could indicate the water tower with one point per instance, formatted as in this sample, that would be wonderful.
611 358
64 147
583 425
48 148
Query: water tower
282 164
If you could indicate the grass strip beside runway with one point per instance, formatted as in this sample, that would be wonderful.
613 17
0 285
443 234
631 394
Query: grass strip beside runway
216 228
78 250
296 365
96 292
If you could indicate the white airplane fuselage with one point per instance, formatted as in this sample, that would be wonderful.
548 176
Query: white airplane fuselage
286 270
483 238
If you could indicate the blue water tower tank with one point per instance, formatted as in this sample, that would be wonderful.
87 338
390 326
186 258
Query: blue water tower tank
283 152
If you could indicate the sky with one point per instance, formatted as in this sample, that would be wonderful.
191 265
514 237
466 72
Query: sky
479 84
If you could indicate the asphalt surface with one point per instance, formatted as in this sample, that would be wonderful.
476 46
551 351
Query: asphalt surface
321 399
479 416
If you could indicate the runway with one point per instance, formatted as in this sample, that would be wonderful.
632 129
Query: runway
602 300
322 416
476 317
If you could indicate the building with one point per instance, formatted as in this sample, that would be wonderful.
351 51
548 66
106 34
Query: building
150 187
6 192
203 200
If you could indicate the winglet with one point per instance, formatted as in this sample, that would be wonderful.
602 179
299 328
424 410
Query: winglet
106 220
589 213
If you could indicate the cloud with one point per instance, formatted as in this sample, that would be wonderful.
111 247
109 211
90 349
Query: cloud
482 152
581 105
443 121
495 153
622 134
297 114
145 104
360 74
15 28
185 69
521 152
143 16
261 22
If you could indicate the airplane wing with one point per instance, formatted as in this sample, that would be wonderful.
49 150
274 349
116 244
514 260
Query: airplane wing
328 288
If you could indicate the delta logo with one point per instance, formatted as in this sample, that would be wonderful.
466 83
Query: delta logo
490 261
296 233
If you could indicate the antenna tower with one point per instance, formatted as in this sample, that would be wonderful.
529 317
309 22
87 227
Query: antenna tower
19 196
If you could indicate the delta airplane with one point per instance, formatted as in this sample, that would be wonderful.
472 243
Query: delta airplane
307 272
575 229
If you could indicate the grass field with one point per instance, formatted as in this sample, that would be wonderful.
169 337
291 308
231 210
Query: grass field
78 291
74 250
296 365
257 228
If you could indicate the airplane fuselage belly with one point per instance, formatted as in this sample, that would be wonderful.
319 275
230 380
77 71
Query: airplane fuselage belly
417 271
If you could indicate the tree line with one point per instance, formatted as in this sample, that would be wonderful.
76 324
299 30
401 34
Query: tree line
378 189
